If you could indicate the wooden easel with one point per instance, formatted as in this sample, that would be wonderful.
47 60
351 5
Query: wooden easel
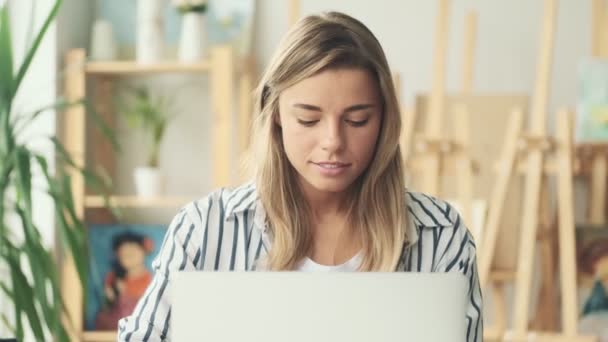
432 147
593 161
533 148
293 12
434 152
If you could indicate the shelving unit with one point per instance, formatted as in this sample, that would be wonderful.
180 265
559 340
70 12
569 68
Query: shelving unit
136 202
224 71
133 68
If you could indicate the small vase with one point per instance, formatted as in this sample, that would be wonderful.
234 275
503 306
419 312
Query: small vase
103 44
149 182
150 31
192 38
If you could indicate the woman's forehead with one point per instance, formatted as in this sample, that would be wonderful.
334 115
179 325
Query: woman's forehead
336 86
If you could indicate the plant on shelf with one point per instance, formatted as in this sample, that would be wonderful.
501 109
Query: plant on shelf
149 113
189 6
193 37
29 272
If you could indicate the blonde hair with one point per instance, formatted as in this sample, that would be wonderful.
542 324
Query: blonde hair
377 208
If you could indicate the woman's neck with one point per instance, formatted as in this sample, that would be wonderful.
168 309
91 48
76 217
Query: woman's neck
334 240
324 204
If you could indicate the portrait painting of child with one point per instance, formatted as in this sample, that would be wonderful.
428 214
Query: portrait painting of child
120 270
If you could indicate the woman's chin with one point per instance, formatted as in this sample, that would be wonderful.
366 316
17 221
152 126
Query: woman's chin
330 186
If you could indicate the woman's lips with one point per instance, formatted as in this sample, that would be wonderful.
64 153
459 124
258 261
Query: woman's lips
332 168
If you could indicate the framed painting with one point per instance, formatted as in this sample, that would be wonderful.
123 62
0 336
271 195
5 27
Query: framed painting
120 270
592 107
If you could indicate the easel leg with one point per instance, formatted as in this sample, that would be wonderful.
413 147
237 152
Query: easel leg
500 307
525 264
566 225
499 194
545 317
597 189
464 166
407 133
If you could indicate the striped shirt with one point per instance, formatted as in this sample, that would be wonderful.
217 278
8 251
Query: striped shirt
227 231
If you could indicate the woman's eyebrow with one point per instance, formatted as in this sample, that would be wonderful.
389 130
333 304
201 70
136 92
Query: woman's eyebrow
347 110
307 107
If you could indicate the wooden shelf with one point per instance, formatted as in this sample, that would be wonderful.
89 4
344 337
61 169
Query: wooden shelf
98 336
137 202
223 68
132 67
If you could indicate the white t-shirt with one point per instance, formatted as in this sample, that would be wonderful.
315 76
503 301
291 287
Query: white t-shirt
352 265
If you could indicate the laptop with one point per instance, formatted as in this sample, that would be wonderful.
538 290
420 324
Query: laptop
318 307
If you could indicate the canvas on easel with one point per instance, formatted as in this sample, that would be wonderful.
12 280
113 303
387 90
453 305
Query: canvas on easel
592 109
488 117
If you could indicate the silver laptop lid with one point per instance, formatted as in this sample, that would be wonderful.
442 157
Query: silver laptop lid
320 307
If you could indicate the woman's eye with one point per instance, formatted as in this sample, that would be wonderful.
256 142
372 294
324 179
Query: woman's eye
307 123
357 123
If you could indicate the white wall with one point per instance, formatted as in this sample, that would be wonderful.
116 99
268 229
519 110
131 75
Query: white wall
507 45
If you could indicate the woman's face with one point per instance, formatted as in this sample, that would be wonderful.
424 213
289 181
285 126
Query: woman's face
330 124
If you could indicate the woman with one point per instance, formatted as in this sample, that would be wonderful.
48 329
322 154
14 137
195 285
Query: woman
329 191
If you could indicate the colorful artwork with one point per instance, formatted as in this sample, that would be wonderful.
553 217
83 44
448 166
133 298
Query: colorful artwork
592 110
120 270
592 250
228 21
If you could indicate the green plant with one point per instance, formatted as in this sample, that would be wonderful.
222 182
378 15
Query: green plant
34 287
186 6
150 113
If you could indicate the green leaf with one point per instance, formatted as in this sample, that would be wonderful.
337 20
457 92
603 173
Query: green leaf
6 58
6 80
101 125
33 249
22 296
99 184
24 121
74 232
24 292
8 325
24 178
36 43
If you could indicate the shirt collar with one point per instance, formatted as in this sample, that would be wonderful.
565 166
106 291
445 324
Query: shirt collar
423 211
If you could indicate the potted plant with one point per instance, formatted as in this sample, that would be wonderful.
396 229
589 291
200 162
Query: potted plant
149 113
32 287
193 36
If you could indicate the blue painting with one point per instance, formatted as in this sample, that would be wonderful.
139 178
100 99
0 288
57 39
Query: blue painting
592 111
228 22
120 270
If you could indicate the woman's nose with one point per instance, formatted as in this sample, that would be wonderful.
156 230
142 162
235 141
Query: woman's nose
333 139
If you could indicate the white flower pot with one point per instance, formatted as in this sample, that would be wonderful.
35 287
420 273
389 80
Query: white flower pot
150 31
103 44
193 38
149 182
